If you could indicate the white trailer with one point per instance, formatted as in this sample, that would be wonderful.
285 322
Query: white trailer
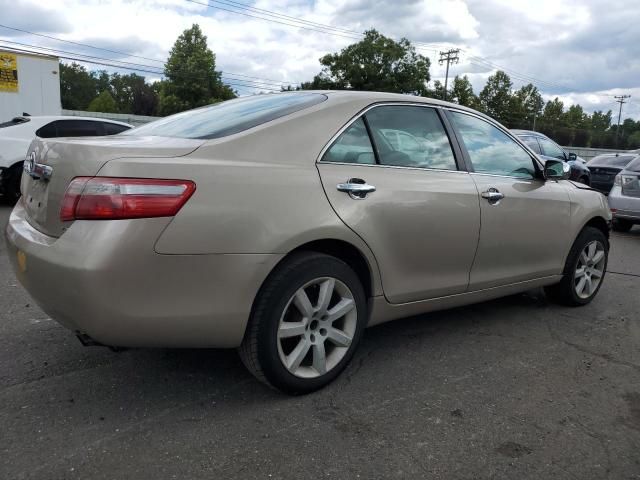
29 83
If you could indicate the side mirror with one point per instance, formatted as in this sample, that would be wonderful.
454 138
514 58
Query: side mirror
573 156
556 170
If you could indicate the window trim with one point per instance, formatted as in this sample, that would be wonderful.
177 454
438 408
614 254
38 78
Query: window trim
534 159
461 166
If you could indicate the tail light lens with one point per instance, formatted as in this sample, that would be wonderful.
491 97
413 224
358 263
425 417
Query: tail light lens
617 180
106 198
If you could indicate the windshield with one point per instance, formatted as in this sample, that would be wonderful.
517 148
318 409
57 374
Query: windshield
227 118
634 166
613 161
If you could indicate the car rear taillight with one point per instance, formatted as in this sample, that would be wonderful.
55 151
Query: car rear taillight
107 198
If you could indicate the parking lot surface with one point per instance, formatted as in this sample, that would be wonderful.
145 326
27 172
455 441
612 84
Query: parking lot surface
510 389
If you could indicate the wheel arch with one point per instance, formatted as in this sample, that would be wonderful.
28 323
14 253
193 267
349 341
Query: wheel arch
599 223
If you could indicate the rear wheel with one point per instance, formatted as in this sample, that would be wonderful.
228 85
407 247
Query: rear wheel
584 269
12 184
306 323
620 225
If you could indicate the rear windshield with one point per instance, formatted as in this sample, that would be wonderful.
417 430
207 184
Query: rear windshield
227 118
14 121
619 161
634 166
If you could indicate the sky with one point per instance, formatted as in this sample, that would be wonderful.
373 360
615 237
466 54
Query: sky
581 51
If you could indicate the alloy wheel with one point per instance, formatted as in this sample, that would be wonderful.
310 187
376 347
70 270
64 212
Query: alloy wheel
317 327
590 269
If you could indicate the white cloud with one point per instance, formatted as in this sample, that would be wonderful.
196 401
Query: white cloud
577 49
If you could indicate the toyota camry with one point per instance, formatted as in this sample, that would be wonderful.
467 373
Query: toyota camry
284 224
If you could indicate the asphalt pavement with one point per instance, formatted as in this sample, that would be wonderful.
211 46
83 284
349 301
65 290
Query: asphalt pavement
510 389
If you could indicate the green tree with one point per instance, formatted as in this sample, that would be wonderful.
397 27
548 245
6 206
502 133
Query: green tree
438 90
192 80
133 95
462 92
525 106
495 97
103 103
77 86
375 63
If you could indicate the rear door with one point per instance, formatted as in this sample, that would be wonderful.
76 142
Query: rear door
523 235
422 221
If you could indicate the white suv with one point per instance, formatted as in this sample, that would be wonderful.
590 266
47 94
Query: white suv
17 134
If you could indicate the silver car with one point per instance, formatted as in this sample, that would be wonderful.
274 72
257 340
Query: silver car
285 224
624 198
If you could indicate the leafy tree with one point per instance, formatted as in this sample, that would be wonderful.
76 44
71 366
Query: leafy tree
553 115
462 92
495 97
600 121
103 103
438 90
375 63
192 80
77 86
633 141
526 105
133 95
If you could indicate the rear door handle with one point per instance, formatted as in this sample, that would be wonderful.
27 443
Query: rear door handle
356 188
493 196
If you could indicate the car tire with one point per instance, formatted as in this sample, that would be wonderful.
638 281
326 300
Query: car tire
620 225
584 269
12 184
285 348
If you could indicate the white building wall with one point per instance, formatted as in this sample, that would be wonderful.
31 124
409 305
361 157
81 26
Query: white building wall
38 88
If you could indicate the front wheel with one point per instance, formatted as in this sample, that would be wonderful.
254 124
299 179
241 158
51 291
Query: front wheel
584 269
306 323
12 184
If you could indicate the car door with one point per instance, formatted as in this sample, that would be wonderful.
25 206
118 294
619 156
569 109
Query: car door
422 221
524 218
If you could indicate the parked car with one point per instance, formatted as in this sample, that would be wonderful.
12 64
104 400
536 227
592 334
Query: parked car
548 149
17 133
604 169
285 224
624 198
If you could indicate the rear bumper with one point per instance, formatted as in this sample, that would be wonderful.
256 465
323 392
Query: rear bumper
624 207
104 279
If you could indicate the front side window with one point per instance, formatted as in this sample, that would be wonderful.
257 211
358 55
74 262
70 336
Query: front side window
352 146
227 118
410 136
114 128
491 150
532 143
550 149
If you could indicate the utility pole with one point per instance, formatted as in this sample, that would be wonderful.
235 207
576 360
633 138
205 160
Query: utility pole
450 56
621 100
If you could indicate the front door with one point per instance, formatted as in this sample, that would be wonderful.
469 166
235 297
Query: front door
422 221
524 218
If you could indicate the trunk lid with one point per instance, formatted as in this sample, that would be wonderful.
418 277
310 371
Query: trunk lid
82 157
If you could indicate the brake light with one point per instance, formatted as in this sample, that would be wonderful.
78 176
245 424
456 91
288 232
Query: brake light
106 198
617 180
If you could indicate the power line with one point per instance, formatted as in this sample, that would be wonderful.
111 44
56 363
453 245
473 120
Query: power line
126 54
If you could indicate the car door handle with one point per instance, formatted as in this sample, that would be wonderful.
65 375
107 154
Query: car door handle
493 196
356 188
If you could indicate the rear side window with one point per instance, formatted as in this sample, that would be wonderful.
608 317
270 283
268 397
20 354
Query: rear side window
352 146
47 131
410 136
232 116
113 128
78 128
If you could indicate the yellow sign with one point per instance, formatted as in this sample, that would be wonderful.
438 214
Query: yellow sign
8 72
